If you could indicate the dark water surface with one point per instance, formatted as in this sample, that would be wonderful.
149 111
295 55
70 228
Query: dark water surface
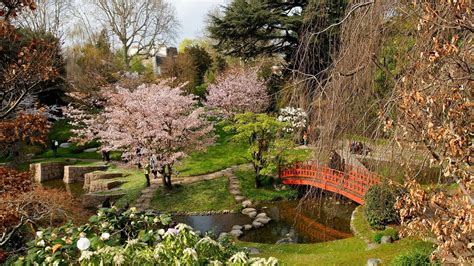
75 189
317 220
216 223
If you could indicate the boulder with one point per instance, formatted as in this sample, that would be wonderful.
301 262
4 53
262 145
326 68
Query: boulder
257 224
91 150
65 145
252 214
239 198
374 262
246 203
223 236
247 227
246 211
236 227
253 251
263 220
236 233
262 215
386 240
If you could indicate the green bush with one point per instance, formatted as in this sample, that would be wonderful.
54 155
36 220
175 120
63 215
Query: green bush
379 206
387 232
413 258
116 237
391 232
378 237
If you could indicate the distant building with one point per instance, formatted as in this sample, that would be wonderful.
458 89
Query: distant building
156 57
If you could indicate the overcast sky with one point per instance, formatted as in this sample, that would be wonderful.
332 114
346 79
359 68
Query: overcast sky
192 15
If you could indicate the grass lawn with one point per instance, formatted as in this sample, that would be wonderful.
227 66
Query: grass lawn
223 154
134 183
201 196
265 193
349 251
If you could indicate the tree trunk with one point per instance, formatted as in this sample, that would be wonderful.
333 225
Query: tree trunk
126 58
166 172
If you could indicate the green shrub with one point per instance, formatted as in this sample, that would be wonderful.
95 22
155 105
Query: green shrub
115 237
379 206
413 258
387 232
378 237
391 232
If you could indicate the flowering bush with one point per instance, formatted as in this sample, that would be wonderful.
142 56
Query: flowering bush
122 238
295 117
238 91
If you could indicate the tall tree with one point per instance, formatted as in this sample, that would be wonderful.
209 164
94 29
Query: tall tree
141 26
252 28
27 62
49 16
156 119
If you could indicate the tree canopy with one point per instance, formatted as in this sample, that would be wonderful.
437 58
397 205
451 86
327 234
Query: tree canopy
252 28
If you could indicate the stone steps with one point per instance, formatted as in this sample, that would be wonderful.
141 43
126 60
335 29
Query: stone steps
104 185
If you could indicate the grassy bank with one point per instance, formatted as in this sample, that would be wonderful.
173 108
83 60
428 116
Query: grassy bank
201 196
349 251
222 154
267 192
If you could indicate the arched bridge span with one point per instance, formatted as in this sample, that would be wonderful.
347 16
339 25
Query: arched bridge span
352 183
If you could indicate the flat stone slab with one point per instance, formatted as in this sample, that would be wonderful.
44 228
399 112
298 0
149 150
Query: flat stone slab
104 185
98 175
75 173
239 198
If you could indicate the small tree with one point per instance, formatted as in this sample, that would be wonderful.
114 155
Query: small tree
155 119
238 91
263 133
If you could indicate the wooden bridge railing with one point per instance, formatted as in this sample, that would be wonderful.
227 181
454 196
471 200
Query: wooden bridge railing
352 183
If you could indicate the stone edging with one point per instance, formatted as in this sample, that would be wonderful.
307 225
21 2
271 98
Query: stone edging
202 213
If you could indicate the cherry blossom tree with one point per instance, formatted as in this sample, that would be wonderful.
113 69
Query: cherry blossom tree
238 91
151 120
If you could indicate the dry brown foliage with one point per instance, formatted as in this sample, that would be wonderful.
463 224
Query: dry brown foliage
22 202
24 66
435 100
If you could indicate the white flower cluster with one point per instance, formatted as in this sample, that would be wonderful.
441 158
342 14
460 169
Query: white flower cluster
297 118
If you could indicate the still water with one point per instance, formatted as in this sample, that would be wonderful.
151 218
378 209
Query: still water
311 221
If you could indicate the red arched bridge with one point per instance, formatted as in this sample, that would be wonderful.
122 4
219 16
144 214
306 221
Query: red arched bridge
352 183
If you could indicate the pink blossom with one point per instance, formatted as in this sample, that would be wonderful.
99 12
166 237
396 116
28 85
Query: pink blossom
238 91
157 119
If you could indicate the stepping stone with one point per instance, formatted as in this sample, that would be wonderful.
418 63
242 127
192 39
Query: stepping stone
252 214
246 204
239 198
257 224
236 227
246 211
262 215
236 233
247 227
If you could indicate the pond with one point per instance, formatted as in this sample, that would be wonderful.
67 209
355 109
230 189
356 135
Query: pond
316 220
74 189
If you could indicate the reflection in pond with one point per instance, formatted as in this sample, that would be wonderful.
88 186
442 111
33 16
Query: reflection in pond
317 220
216 223
74 189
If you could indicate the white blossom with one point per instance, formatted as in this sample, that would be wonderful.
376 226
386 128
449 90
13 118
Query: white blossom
83 243
105 236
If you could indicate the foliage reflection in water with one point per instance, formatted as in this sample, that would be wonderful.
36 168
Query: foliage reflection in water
310 221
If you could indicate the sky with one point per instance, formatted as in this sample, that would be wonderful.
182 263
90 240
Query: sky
192 15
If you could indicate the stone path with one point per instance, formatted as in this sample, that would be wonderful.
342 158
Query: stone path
234 183
144 201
